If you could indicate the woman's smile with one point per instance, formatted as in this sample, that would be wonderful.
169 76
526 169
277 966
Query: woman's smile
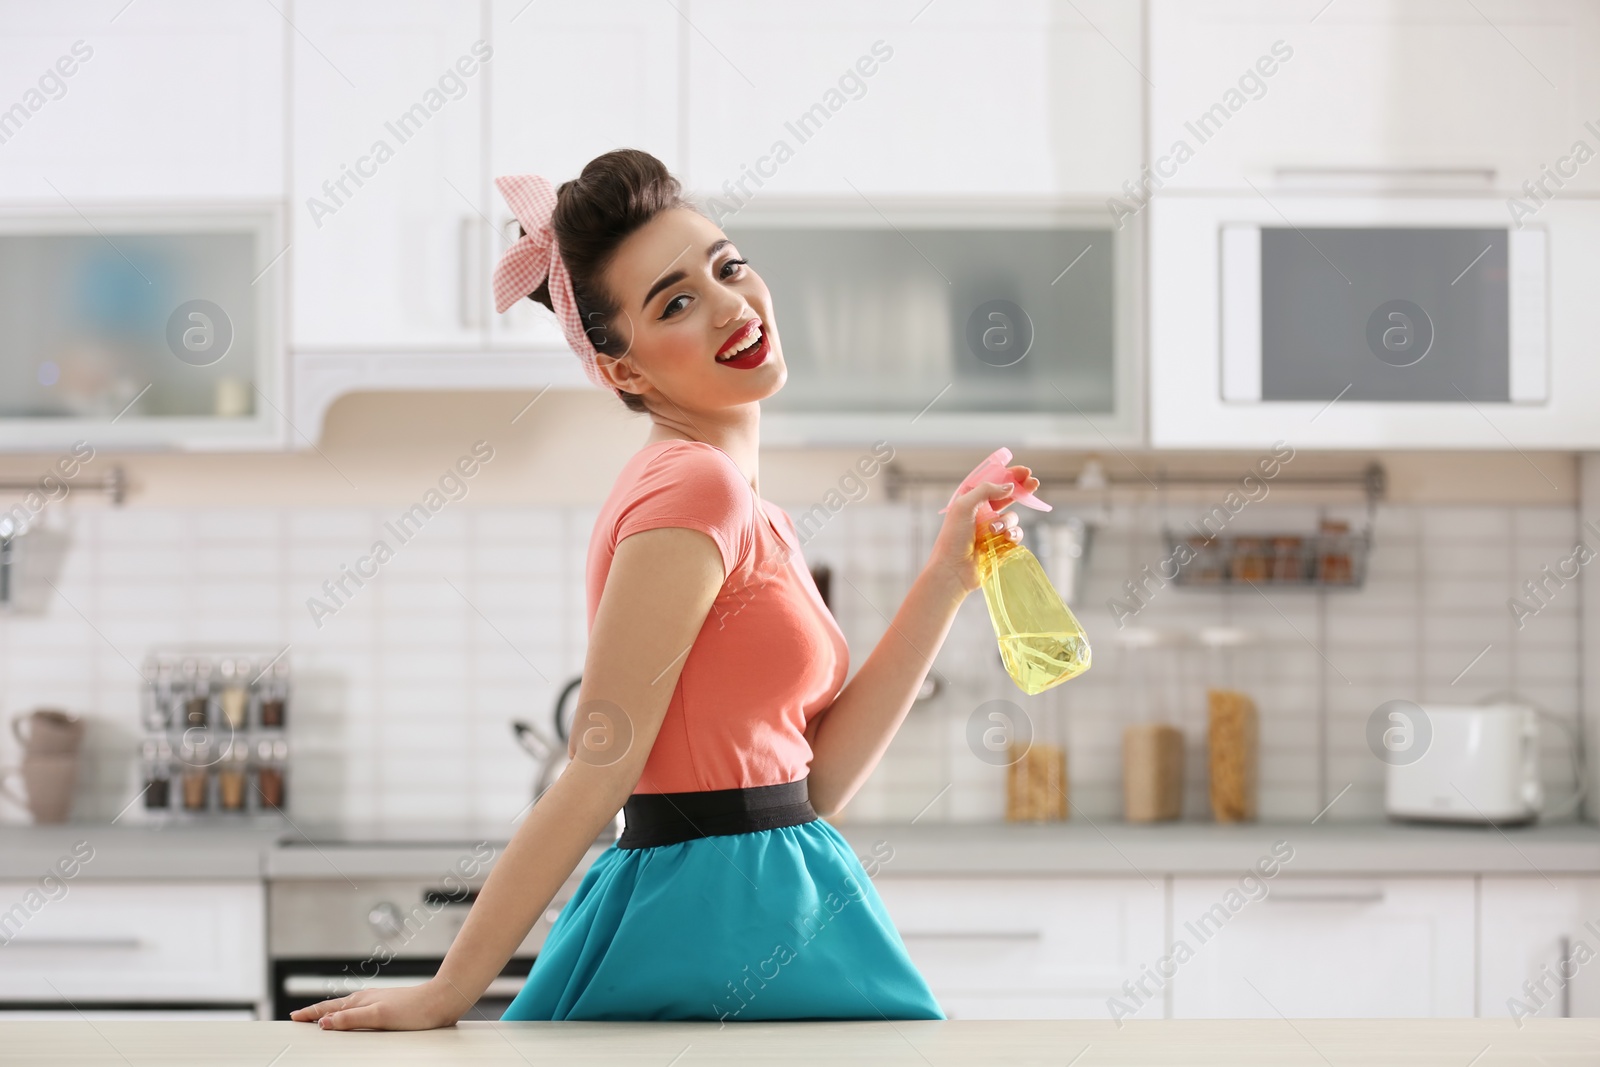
746 348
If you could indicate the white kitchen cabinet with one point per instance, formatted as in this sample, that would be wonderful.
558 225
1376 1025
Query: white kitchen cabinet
1324 948
180 943
1469 96
1038 97
1539 939
1188 405
1029 948
550 115
389 189
159 100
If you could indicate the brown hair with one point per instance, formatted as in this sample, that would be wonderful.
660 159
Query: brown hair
616 194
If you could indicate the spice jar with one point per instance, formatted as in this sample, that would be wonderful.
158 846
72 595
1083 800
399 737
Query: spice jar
195 756
1288 553
159 698
1036 779
1233 724
1333 553
235 696
157 774
273 689
1250 559
1206 565
271 757
231 775
1152 742
197 676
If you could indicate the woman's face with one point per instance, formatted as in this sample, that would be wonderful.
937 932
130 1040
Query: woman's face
684 298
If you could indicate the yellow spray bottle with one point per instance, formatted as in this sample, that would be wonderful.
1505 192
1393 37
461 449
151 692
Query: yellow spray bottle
1041 643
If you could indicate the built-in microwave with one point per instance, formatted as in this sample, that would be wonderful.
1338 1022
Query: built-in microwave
1340 320
1384 314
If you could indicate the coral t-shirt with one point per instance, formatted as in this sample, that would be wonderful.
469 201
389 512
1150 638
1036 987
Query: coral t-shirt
769 656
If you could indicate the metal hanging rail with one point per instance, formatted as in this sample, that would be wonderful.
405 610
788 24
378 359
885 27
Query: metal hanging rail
1371 480
114 484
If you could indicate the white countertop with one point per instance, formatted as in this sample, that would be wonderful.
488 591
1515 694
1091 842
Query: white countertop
1313 1043
1071 848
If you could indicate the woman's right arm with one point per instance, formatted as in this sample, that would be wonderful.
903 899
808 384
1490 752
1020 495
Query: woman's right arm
658 593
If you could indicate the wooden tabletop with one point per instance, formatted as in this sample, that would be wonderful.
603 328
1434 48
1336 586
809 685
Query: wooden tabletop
1279 1043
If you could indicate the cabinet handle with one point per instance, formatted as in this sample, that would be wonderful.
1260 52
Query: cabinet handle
971 935
1474 176
1566 983
75 942
1371 897
469 239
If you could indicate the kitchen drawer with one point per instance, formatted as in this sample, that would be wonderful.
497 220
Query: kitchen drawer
194 942
1325 948
1031 948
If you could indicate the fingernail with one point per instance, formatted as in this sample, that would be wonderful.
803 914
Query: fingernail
996 526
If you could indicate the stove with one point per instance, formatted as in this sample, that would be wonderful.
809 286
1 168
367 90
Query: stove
355 905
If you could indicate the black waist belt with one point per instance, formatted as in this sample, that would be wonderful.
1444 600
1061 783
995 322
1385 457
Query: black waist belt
654 819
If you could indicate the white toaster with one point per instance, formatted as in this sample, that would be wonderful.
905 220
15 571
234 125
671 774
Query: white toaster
1477 763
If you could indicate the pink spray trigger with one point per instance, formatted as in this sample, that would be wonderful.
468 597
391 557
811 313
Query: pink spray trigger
997 468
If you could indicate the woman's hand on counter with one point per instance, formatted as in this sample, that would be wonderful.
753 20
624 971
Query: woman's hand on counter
955 551
427 1006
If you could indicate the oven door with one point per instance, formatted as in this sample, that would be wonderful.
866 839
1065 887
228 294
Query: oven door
299 982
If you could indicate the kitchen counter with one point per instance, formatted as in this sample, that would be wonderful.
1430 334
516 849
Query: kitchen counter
1314 1043
1114 848
1072 848
27 853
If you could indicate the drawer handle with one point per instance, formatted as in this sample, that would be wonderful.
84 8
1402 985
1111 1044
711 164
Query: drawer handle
971 935
75 942
1373 897
331 985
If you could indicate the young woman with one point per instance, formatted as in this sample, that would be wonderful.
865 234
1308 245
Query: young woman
713 709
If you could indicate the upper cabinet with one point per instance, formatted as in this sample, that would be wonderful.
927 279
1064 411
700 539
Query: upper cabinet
389 183
159 100
1036 98
1483 95
550 114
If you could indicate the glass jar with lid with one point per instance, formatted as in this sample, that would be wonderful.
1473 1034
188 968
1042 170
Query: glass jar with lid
1232 721
1153 756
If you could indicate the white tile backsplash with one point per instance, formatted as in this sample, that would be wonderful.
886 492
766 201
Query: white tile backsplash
405 694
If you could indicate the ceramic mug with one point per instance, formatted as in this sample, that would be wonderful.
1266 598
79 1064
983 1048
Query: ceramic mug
50 732
47 780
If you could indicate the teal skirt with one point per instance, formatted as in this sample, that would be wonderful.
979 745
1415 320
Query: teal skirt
771 924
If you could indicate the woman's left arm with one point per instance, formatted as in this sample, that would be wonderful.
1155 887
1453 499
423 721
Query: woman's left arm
851 735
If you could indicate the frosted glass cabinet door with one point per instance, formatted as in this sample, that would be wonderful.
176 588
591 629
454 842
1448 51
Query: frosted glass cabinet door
946 324
157 329
388 175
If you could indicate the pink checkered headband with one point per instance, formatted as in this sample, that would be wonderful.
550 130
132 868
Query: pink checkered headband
535 259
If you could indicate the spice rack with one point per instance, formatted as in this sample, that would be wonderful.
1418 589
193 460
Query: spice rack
214 745
1332 558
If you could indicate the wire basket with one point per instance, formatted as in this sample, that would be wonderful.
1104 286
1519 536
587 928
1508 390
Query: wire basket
1332 558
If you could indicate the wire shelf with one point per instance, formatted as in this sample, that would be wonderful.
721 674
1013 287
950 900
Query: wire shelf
1332 558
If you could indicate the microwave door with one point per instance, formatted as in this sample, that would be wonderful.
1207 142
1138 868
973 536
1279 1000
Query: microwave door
1383 314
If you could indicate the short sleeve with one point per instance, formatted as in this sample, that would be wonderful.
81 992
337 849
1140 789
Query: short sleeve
694 485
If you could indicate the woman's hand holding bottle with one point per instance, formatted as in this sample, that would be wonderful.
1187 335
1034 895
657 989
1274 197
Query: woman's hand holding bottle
955 553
